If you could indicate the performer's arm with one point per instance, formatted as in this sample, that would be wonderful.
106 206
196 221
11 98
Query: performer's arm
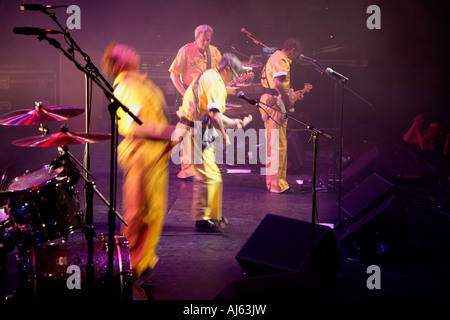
177 83
238 123
154 131
414 134
278 83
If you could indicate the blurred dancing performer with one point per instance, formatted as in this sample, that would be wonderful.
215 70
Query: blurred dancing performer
143 156
205 99
275 79
191 60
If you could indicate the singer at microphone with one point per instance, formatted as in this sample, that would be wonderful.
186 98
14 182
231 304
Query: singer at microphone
241 95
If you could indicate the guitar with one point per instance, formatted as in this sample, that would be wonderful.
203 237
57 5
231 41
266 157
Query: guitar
294 96
210 134
248 77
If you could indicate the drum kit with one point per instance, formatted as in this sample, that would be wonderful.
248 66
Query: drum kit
41 209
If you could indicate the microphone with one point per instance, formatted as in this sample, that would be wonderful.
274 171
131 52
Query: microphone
34 31
245 31
302 56
38 7
241 95
337 75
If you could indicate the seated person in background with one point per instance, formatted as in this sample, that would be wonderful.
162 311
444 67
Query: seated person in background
431 138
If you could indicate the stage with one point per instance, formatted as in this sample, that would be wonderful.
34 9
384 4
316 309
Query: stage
204 266
382 237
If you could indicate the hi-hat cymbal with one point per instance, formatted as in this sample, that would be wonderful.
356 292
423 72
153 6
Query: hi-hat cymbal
62 138
39 115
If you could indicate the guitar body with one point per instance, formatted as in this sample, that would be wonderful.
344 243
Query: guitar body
294 96
278 102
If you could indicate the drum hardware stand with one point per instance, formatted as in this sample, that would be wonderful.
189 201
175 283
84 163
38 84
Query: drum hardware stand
314 138
44 129
90 233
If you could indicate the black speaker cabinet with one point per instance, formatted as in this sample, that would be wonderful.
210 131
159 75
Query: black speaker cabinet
366 196
370 162
381 234
280 244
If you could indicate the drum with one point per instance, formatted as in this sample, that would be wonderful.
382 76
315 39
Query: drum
6 245
4 216
43 206
57 270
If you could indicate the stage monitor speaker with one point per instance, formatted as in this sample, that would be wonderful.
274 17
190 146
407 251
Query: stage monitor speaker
280 244
381 234
366 196
370 162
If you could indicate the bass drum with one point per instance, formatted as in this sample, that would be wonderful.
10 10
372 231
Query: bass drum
57 270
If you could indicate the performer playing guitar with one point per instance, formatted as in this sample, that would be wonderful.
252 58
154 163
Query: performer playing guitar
275 79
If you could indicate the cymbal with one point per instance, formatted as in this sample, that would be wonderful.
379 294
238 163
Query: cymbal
248 65
62 138
39 115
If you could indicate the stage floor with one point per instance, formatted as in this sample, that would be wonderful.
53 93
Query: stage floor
203 266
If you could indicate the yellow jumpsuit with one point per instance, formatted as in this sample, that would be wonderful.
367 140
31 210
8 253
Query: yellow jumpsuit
144 164
277 65
207 193
188 64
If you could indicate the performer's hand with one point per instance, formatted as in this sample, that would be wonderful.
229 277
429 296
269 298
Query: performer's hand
238 123
289 104
419 120
300 94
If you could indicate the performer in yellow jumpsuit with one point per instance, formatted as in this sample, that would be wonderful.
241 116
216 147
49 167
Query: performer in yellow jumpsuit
275 79
206 96
143 156
191 60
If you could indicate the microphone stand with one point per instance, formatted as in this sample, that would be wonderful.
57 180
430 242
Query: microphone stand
315 132
256 41
108 91
342 81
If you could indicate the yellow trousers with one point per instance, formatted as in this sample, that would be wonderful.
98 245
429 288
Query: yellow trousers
144 204
275 177
187 168
207 185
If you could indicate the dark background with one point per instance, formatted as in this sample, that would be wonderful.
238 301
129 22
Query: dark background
399 70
